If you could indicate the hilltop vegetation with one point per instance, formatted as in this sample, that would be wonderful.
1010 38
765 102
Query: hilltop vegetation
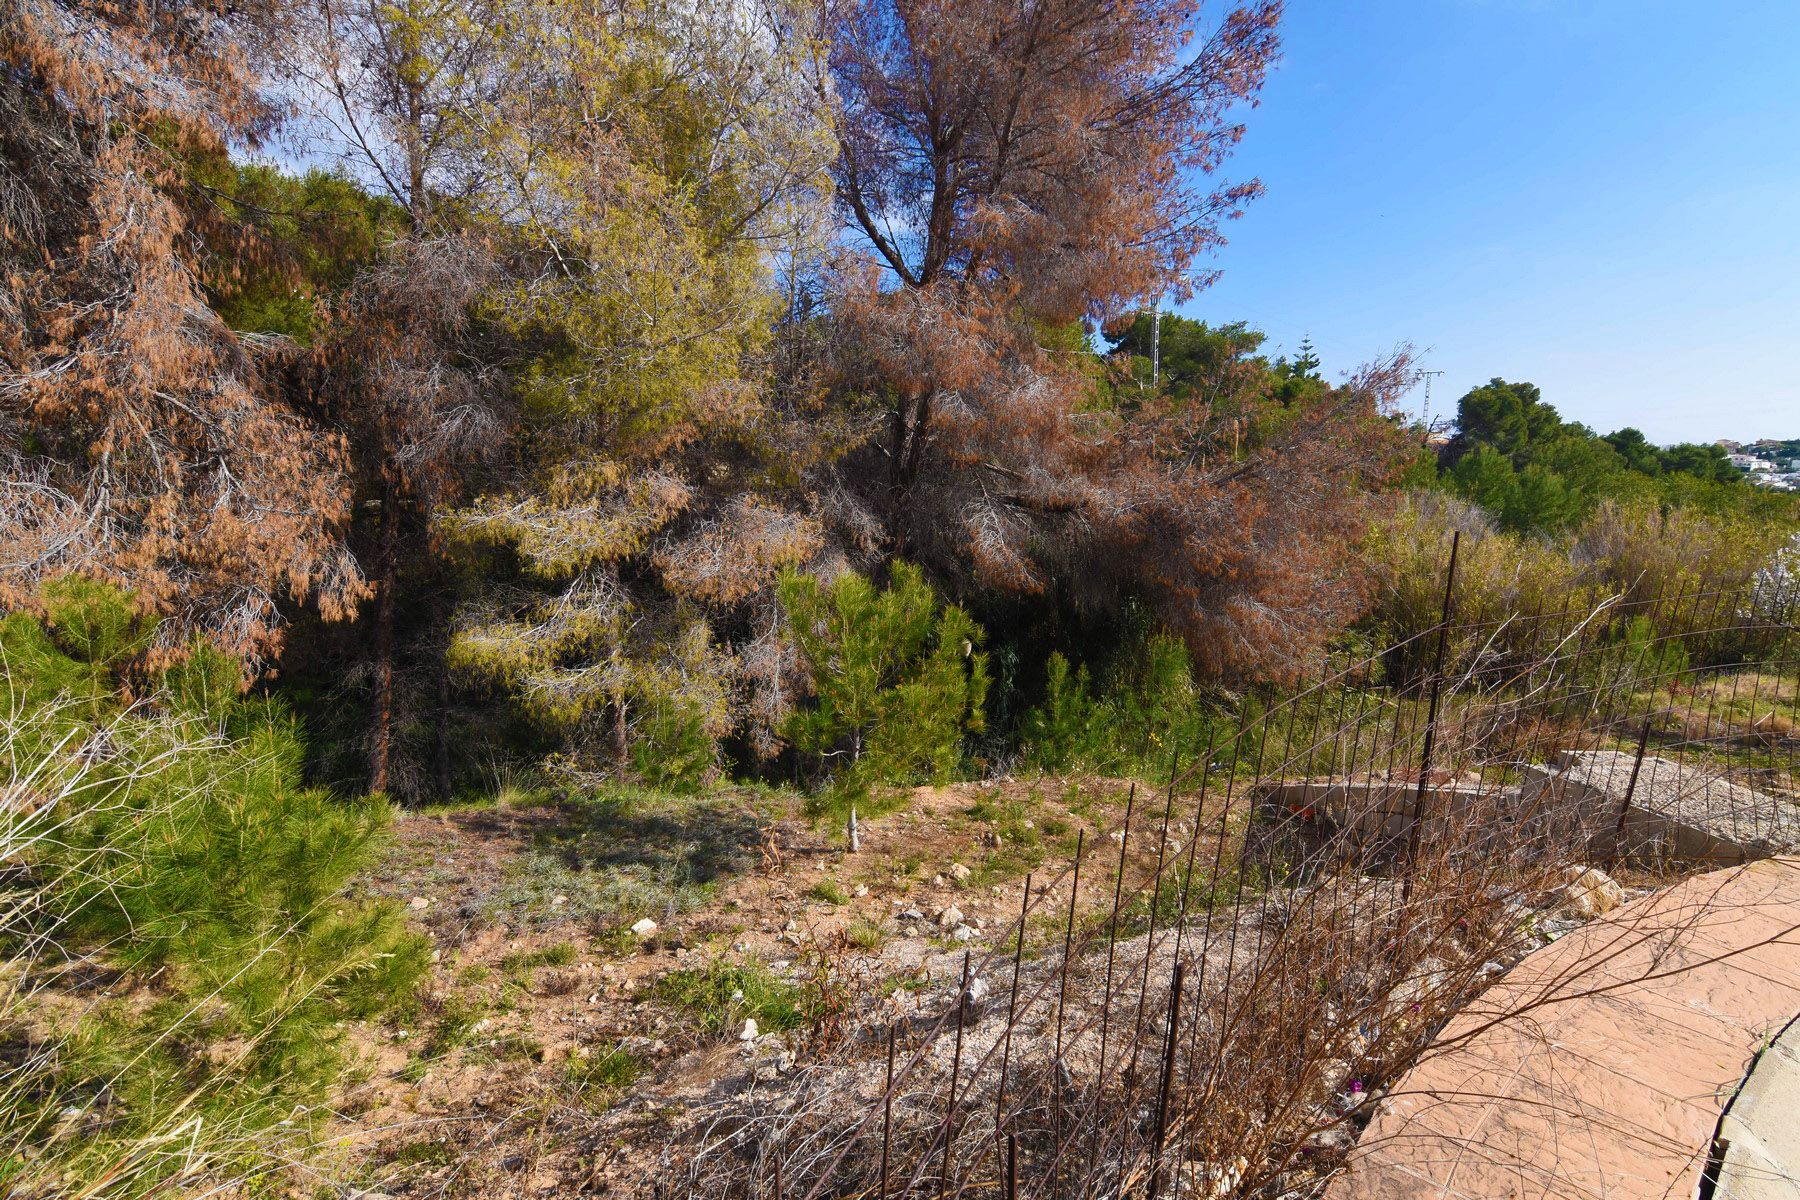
651 428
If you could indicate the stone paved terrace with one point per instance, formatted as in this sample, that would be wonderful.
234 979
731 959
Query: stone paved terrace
1599 1068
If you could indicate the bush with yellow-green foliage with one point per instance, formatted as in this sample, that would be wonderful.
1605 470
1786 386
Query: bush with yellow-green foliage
1647 551
1630 580
1498 576
177 955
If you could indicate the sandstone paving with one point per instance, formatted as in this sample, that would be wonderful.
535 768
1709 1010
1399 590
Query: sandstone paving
1598 1069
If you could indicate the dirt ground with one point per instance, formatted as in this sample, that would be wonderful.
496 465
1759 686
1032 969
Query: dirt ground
550 1049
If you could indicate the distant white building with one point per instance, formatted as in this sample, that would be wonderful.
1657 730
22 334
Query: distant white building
1750 462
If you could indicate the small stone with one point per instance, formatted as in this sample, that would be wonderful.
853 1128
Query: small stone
962 933
749 1032
644 927
862 889
950 917
558 901
911 914
959 872
418 902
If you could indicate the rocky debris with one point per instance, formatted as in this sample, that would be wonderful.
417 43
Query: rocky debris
972 999
645 927
950 917
962 933
959 872
1687 812
1590 892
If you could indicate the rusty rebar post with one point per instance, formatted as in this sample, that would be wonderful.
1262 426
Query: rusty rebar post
962 1004
1062 983
1431 719
887 1112
1637 765
1170 1041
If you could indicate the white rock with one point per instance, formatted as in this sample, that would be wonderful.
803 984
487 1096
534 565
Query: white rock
962 933
418 902
645 927
748 1033
1591 892
959 872
950 917
862 889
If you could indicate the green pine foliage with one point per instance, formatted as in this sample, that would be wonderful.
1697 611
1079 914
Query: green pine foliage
168 844
1147 711
898 679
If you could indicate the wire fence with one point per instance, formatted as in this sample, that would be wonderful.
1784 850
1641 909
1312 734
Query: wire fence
1285 924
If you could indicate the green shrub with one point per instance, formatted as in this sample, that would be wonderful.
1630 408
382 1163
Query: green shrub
1149 711
721 995
897 680
184 845
865 934
604 1073
676 747
1066 730
829 891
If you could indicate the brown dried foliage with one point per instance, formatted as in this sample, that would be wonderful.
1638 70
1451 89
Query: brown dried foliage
144 443
1013 170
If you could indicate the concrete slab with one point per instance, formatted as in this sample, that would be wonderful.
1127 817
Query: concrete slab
1599 1067
1676 811
1758 1147
1377 811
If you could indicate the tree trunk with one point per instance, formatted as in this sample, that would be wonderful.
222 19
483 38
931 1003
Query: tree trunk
908 423
621 742
441 755
381 716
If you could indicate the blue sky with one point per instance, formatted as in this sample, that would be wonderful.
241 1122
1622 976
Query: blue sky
1599 196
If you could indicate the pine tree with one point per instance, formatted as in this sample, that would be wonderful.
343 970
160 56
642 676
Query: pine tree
147 443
